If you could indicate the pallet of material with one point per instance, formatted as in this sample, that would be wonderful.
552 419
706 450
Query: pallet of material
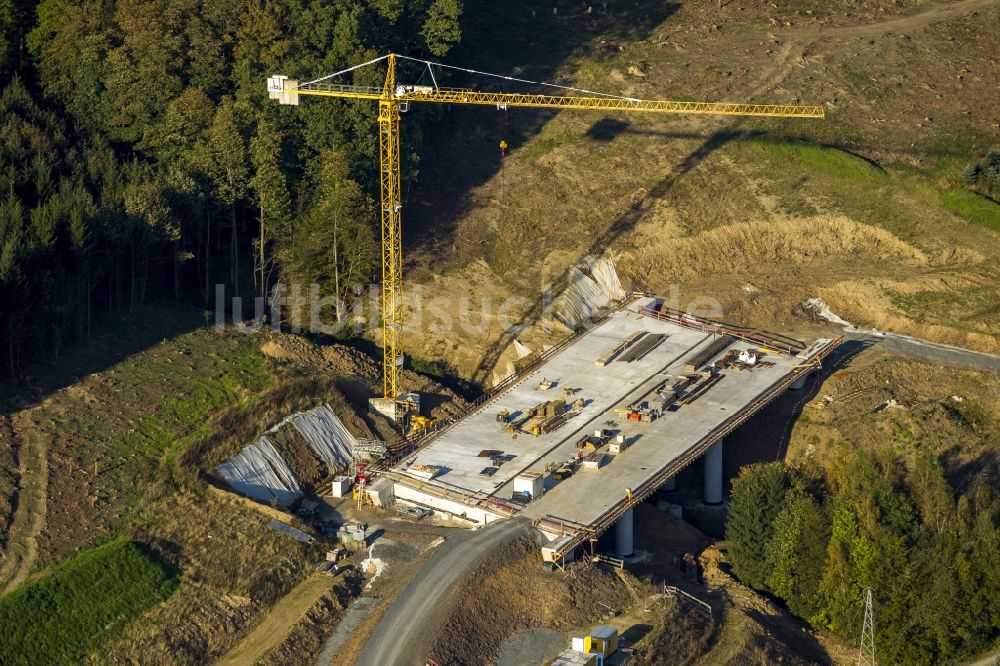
593 461
618 349
552 422
530 423
706 354
664 399
555 407
681 384
590 443
622 412
648 344
701 389
427 472
517 424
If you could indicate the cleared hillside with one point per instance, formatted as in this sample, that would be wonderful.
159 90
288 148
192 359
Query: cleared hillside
756 215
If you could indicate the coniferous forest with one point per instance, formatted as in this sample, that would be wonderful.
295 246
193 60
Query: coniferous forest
928 546
140 157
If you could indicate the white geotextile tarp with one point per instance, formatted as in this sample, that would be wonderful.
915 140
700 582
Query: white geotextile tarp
258 471
586 295
606 277
327 436
521 349
582 299
509 372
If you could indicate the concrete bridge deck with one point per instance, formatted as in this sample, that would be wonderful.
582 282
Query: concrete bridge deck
592 498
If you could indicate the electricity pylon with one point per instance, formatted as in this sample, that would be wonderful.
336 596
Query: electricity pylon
866 655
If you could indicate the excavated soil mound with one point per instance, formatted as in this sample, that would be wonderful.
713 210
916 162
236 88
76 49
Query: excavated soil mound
867 302
738 248
511 593
308 469
755 630
339 359
360 371
678 636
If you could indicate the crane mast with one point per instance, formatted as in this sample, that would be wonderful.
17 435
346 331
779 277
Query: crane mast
392 228
393 98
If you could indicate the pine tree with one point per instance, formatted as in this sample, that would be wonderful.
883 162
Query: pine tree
801 531
971 173
273 200
756 501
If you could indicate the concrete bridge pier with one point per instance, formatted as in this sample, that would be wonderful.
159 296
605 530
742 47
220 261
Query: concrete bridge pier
713 475
624 535
800 382
671 484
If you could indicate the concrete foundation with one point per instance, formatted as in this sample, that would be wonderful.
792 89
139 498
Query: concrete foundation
624 535
713 474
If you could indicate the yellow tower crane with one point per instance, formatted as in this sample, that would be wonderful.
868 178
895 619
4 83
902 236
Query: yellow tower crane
394 98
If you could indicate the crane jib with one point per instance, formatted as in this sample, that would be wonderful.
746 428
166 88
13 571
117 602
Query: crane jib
432 95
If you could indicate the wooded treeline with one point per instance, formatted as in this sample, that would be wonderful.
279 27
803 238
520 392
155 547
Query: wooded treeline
140 156
929 549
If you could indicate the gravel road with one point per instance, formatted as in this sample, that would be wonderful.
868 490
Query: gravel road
928 351
401 638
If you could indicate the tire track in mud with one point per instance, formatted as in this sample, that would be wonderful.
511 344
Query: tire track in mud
28 520
933 14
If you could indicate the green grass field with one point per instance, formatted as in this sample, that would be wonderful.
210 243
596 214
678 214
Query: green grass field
973 207
811 156
61 617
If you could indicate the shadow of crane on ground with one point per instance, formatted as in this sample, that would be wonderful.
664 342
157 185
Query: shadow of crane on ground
623 224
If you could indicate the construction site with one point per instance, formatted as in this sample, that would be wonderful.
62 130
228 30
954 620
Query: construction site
454 333
603 421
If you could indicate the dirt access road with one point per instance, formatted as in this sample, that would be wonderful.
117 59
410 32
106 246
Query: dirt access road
30 507
929 351
927 16
402 637
279 621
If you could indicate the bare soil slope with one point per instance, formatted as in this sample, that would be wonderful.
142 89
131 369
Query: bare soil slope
752 215
124 450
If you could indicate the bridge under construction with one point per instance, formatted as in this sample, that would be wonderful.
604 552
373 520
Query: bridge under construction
600 422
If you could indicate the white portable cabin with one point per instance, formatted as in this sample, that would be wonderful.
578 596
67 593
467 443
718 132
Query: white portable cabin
340 486
532 483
